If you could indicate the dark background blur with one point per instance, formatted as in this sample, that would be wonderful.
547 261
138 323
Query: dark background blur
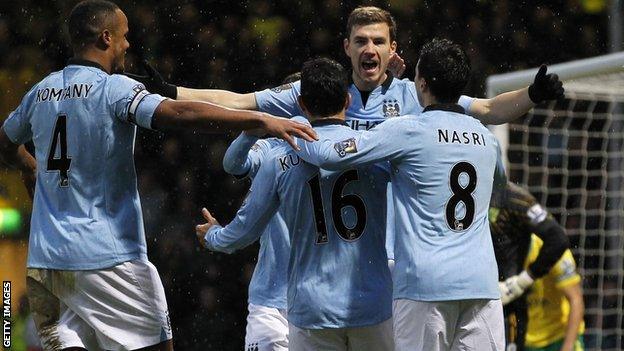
247 46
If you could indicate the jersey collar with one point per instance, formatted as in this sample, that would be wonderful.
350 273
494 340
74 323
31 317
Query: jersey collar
82 62
328 121
445 107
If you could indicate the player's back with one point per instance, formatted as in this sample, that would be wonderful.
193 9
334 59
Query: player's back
442 186
86 211
338 276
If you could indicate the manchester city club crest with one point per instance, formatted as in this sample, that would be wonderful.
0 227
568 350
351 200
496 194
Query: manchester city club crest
282 88
391 108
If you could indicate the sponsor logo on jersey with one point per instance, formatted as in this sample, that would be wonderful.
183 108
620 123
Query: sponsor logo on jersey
345 147
391 108
282 88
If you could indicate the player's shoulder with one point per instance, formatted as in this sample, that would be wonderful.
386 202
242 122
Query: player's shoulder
283 160
286 87
121 81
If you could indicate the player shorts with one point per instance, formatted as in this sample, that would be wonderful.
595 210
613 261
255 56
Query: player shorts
376 337
448 325
267 329
117 308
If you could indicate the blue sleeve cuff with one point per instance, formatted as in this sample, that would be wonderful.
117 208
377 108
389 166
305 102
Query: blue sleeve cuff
466 102
210 236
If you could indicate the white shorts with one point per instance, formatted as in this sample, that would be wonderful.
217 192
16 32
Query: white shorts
117 308
267 329
448 325
376 337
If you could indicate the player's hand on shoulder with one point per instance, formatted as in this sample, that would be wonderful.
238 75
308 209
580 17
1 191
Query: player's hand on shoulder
546 86
154 81
286 129
396 65
202 229
514 287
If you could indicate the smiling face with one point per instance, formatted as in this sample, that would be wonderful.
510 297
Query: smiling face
369 48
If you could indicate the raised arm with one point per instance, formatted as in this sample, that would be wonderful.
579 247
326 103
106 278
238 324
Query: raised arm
508 106
250 221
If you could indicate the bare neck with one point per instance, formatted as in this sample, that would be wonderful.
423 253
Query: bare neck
97 56
367 86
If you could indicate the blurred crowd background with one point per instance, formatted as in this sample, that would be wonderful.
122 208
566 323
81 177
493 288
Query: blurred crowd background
246 46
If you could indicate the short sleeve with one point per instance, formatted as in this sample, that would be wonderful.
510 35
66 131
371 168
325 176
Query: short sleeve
17 126
131 102
466 102
564 271
280 101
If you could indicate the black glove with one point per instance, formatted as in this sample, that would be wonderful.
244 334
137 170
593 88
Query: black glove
154 82
545 86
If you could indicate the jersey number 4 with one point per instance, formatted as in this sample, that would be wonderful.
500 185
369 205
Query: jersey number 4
62 163
338 202
461 194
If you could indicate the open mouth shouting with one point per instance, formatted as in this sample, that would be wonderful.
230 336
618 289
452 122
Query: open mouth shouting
369 67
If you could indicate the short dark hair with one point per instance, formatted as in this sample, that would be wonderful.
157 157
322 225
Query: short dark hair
365 15
87 20
291 78
446 69
324 87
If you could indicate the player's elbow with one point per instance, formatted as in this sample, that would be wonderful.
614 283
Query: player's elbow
233 167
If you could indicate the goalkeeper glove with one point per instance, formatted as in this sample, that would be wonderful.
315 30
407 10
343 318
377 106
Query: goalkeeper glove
514 287
545 86
154 82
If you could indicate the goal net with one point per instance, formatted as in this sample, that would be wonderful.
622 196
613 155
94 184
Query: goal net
570 155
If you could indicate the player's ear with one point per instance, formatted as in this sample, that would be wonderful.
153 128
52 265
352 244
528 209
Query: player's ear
393 46
106 38
345 45
347 101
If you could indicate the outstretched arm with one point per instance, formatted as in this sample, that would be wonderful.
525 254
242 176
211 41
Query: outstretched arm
508 106
381 143
156 83
257 210
211 118
221 97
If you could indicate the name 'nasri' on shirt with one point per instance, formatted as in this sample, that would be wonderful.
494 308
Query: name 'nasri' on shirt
58 94
458 137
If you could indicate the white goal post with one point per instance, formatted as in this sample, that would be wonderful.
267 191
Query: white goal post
570 155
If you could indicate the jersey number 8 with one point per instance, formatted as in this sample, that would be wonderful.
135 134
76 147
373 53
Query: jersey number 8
461 194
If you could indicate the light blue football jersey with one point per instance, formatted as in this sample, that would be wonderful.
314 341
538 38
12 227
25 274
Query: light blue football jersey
86 210
443 164
269 280
337 274
395 97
